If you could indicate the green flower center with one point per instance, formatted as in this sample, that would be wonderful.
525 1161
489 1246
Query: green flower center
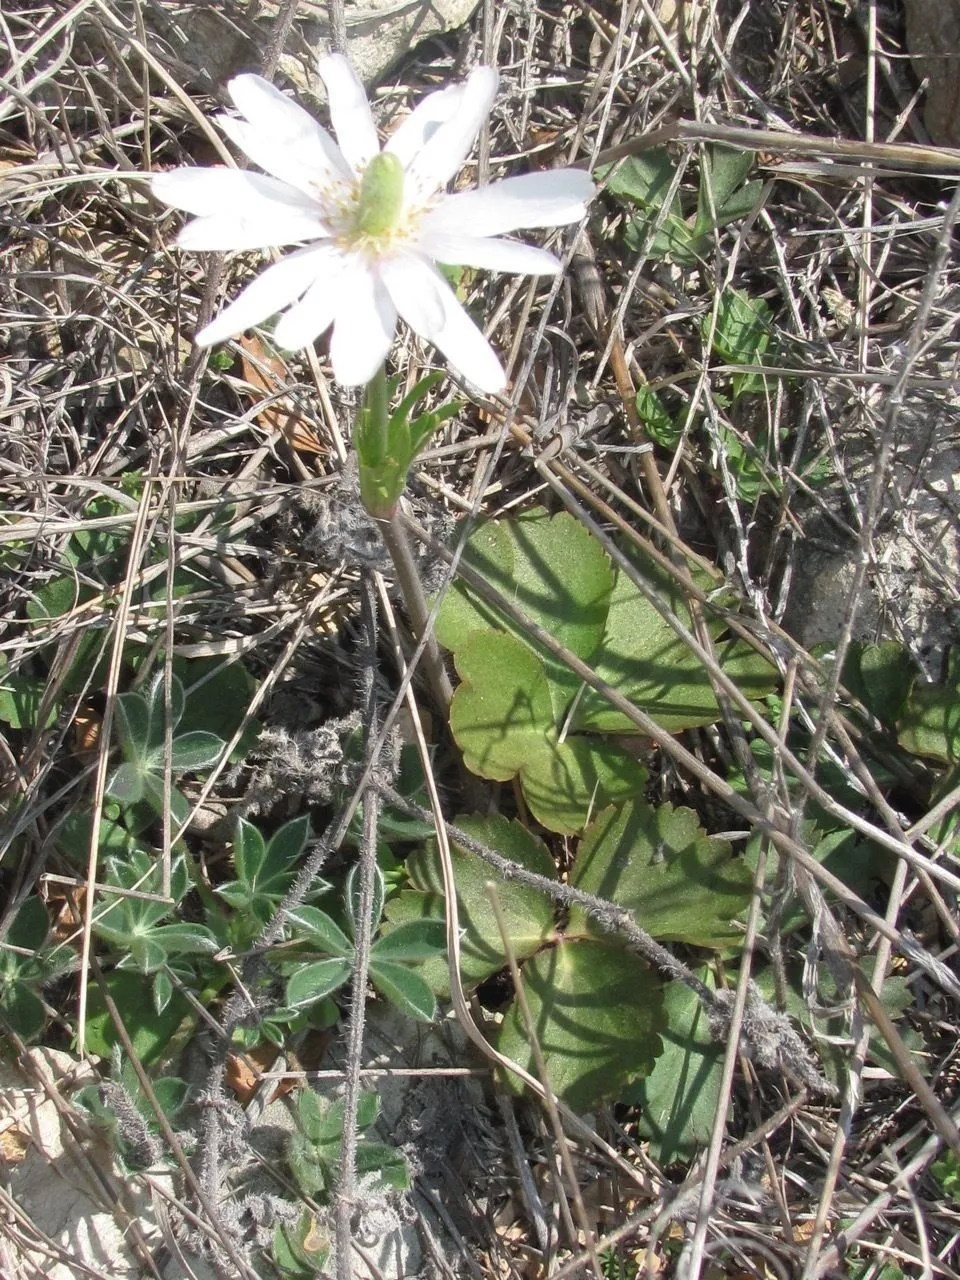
381 196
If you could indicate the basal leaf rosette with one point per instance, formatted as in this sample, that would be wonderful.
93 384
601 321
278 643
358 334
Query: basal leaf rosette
598 1009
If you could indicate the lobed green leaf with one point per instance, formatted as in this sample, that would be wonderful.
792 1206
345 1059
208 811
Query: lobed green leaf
502 717
597 1013
660 864
643 658
678 1100
529 913
555 571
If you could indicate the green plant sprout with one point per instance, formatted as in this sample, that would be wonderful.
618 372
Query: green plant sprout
27 964
741 332
646 181
616 1266
265 870
135 927
313 1154
946 1170
391 958
920 716
929 725
141 727
313 1150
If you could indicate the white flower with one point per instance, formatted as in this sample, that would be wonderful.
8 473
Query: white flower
373 222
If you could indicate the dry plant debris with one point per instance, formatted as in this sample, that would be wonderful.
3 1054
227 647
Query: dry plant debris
746 381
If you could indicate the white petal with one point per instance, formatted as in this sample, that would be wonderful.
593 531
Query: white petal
444 322
206 191
412 286
421 124
303 169
281 137
489 254
272 290
449 145
238 210
349 111
316 310
222 231
363 327
549 199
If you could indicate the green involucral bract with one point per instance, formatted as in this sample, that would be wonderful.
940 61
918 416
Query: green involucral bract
381 195
388 442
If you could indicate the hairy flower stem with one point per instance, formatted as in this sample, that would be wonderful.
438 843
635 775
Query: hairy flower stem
347 1181
397 542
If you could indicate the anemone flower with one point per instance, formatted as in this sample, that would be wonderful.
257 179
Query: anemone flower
372 222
